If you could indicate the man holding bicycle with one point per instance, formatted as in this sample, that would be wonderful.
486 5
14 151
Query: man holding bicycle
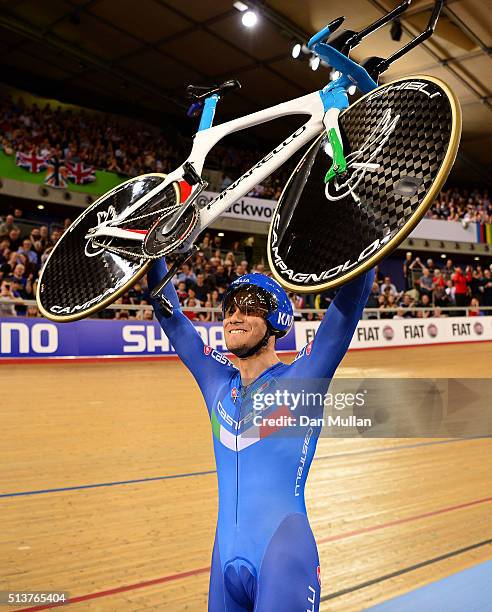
265 556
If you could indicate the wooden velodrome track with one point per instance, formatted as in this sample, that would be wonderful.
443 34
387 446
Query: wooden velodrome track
109 490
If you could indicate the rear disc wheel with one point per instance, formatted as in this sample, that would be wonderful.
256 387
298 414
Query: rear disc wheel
83 275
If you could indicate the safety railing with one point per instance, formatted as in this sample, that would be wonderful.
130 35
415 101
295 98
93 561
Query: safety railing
216 311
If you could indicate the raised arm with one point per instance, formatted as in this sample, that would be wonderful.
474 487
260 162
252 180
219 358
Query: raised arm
335 331
208 366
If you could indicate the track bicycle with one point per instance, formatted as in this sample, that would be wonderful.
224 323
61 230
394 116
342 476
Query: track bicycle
370 172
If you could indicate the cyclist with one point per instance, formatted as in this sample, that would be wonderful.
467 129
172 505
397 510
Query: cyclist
265 556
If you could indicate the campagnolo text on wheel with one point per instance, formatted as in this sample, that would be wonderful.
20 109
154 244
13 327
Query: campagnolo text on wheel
370 172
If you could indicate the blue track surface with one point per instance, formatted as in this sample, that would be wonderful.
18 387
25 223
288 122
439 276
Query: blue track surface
466 591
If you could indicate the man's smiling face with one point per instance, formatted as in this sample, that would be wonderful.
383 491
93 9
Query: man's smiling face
242 332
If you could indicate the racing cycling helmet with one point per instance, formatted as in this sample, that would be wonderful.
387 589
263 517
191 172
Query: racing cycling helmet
260 295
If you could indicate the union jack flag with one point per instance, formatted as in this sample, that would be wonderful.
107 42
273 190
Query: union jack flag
56 174
30 161
80 174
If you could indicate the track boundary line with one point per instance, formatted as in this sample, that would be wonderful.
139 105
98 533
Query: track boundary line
121 589
208 472
408 519
107 484
388 449
404 570
202 570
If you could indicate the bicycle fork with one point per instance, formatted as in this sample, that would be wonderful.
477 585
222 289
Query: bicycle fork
339 163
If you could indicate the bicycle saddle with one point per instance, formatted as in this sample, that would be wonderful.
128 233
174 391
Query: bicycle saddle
199 92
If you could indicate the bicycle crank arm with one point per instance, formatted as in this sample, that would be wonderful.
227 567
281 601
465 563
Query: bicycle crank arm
179 260
172 223
116 232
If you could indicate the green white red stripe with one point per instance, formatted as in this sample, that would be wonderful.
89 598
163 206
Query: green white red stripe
251 435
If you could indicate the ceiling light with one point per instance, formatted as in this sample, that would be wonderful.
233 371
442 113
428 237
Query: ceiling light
314 62
249 19
240 6
296 50
40 206
443 255
220 234
476 258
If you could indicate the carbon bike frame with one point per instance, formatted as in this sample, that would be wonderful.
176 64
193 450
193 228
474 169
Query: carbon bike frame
323 108
313 104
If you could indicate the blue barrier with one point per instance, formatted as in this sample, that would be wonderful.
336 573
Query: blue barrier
34 338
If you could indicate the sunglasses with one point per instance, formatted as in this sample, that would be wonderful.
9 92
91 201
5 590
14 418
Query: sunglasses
251 301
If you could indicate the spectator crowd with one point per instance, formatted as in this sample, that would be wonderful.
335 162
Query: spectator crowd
130 148
111 143
202 281
462 205
450 290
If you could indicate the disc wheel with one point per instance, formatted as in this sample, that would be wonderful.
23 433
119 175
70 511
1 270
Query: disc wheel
400 142
83 275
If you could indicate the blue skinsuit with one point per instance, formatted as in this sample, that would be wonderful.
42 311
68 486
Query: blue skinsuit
265 558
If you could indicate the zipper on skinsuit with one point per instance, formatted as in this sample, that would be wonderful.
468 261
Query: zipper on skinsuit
243 392
240 399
